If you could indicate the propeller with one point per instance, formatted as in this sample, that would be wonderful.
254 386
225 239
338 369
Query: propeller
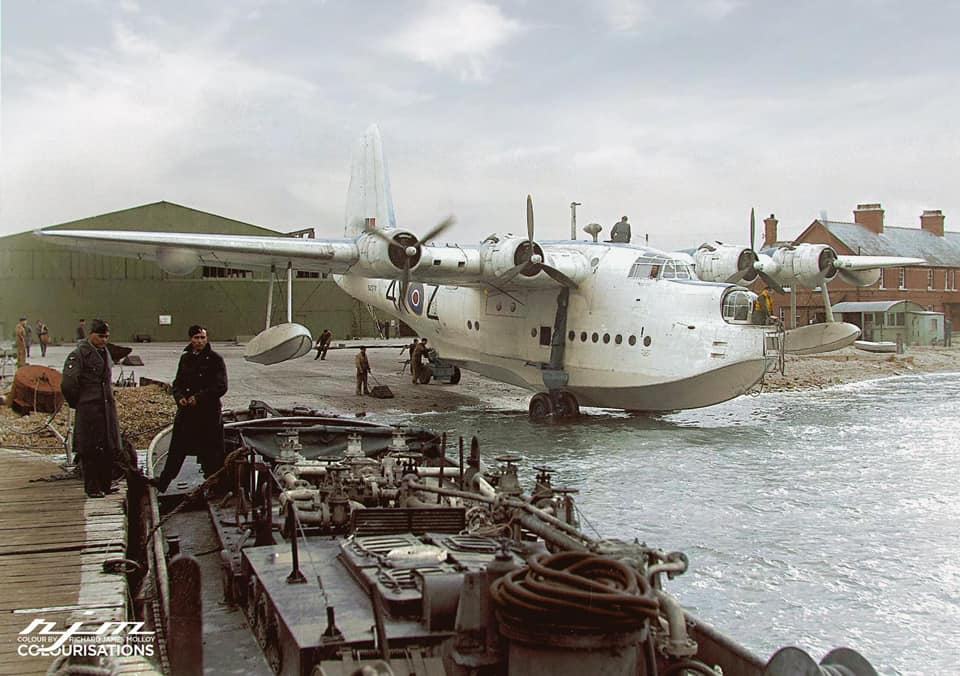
529 258
405 250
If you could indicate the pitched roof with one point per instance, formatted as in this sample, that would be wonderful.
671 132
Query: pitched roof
868 305
938 251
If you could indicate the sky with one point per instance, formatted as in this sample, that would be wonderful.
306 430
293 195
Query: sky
680 114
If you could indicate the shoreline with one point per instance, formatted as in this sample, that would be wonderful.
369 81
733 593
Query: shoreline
329 386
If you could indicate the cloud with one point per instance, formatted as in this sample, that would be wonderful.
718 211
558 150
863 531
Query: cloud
458 37
625 15
128 123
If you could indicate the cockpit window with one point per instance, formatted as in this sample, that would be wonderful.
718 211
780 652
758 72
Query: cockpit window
660 267
738 306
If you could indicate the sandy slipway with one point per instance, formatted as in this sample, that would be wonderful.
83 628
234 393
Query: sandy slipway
329 384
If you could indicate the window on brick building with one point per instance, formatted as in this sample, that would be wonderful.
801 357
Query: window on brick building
930 279
883 272
903 279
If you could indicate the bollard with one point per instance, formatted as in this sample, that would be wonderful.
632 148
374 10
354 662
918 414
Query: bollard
185 626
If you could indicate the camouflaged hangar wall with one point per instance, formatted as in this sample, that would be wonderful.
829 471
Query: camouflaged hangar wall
41 280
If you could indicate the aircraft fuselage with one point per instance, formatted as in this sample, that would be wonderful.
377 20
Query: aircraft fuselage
632 343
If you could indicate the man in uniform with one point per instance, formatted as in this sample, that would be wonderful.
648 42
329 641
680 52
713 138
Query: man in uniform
197 428
363 368
21 331
621 231
86 386
43 337
323 344
29 340
416 359
81 330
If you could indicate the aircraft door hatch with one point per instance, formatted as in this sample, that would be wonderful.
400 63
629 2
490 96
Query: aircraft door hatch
545 332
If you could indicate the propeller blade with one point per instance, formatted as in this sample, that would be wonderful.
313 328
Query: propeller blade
404 284
389 240
439 228
770 281
512 272
558 276
530 219
753 229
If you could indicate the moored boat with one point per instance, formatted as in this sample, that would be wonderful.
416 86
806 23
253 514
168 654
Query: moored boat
328 545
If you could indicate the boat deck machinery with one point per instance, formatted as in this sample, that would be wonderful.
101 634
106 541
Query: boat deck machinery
349 545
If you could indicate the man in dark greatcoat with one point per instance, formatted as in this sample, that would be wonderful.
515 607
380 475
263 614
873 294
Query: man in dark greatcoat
86 386
197 429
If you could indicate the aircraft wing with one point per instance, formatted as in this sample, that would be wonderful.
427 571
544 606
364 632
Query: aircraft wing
180 253
872 262
366 256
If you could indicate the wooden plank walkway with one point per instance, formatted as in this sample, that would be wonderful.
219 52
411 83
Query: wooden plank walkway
53 542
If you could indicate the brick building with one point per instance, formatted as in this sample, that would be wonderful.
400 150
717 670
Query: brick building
934 287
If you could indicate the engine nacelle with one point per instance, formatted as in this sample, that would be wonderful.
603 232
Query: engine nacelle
379 259
506 253
725 263
806 265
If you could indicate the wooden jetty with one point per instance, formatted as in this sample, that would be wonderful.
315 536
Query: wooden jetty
53 544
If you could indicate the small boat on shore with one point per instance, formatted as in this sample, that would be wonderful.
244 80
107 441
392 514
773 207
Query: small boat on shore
338 546
872 346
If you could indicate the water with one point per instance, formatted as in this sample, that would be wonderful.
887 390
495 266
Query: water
815 519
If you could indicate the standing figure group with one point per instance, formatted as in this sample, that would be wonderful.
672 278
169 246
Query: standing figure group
418 352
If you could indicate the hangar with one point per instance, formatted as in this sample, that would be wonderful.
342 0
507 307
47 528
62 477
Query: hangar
141 301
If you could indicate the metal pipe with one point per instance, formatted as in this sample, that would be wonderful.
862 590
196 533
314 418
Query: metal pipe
273 269
508 502
289 292
680 644
551 535
573 219
461 463
484 487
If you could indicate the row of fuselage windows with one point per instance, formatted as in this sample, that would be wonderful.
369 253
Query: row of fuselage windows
606 338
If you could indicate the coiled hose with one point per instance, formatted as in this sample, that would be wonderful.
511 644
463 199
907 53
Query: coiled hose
577 589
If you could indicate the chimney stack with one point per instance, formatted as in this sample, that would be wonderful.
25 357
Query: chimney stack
869 216
932 221
770 230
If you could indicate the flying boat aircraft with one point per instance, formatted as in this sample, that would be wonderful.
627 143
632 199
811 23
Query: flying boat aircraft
579 323
784 269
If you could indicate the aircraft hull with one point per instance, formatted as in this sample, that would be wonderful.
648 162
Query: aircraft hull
688 364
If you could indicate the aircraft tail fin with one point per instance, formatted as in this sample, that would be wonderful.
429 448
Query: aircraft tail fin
369 193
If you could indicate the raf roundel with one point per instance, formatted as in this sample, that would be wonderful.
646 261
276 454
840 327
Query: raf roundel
415 298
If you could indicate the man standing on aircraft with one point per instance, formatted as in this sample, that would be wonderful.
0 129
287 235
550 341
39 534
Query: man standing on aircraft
763 306
363 368
81 330
323 344
197 428
86 386
621 231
